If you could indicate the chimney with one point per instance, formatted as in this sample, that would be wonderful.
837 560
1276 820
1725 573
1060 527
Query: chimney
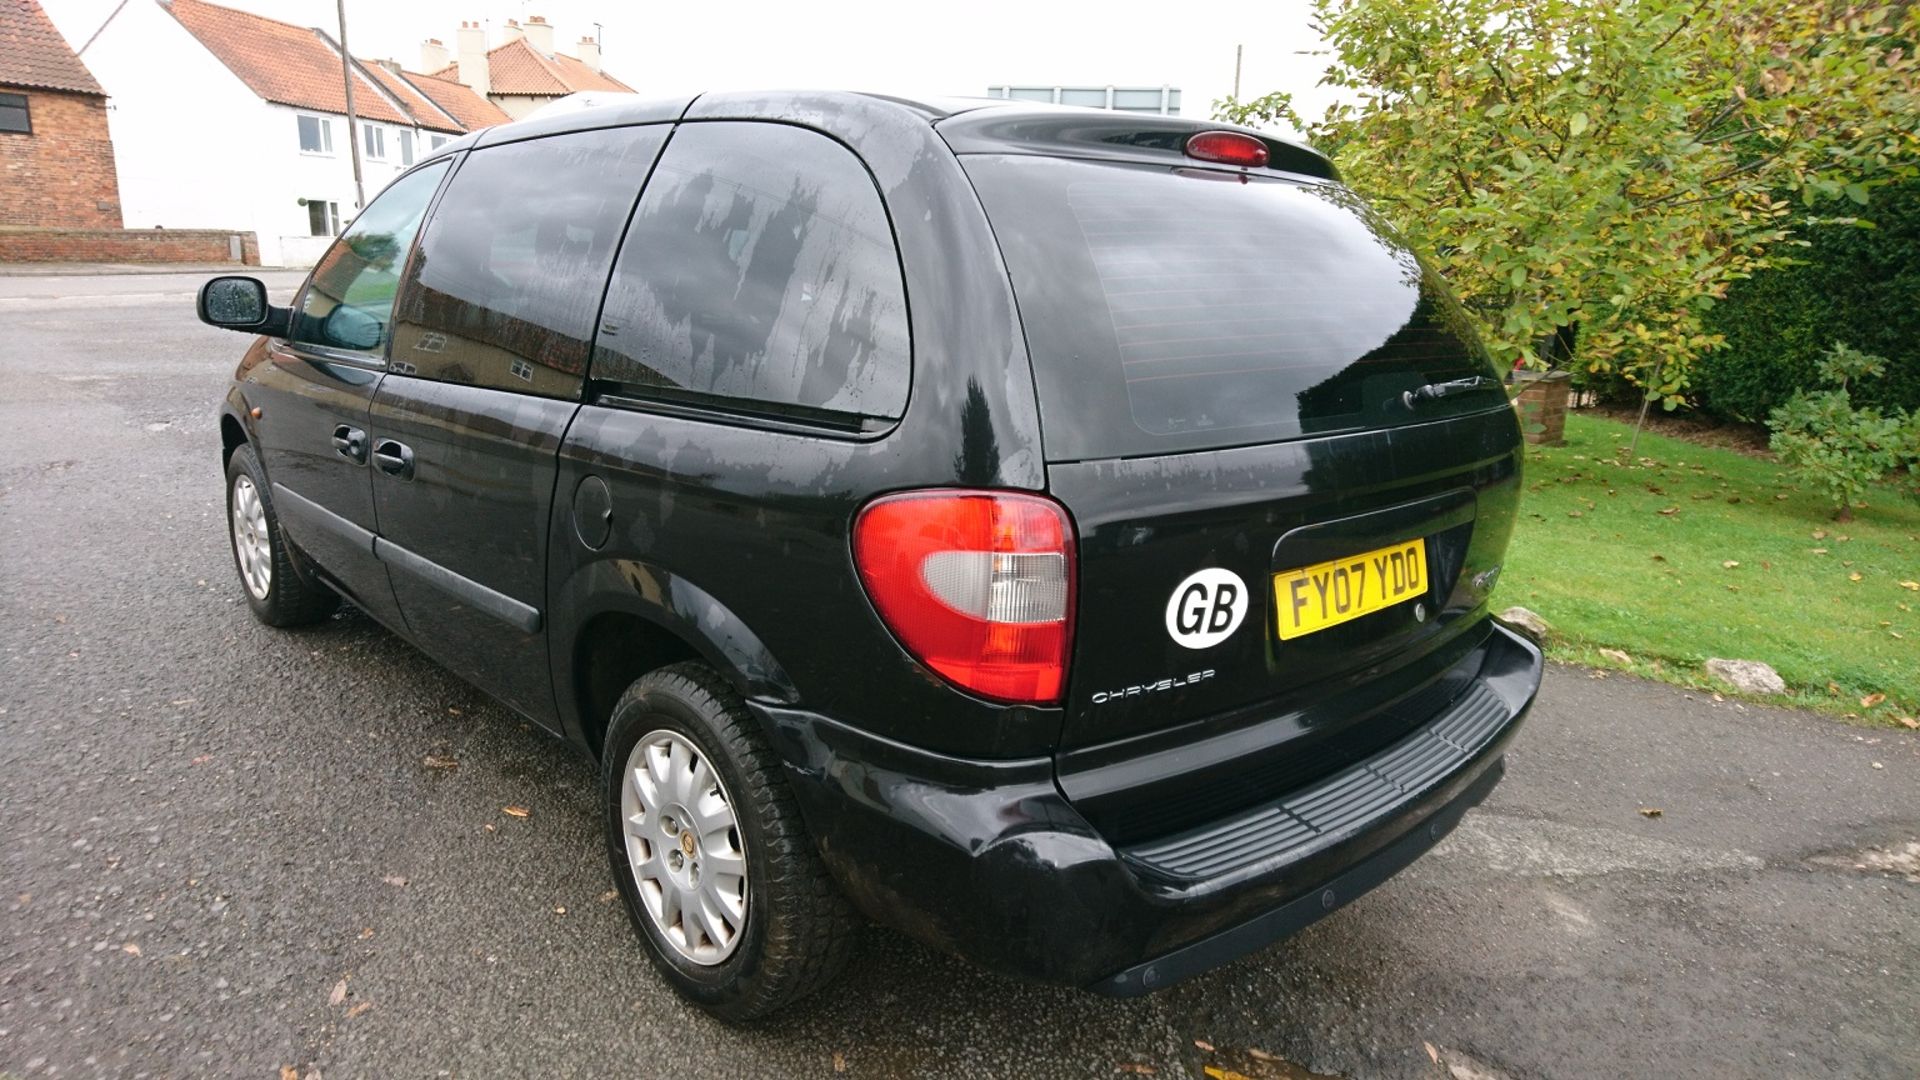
512 32
540 34
472 43
433 56
589 53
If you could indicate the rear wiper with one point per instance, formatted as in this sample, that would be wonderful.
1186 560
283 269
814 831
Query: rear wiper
1413 399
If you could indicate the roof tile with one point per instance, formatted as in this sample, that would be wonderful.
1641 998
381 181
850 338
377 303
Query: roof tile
518 68
469 108
32 52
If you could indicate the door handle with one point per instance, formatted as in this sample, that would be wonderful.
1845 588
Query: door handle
351 442
394 458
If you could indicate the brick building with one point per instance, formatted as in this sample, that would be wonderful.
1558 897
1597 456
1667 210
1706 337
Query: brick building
56 159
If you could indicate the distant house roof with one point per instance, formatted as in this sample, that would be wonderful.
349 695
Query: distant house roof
32 52
281 62
517 68
472 110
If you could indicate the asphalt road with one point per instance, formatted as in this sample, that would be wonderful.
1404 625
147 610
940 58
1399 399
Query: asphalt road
208 827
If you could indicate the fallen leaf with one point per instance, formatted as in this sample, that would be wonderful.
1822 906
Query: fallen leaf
1855 576
1833 688
395 880
1574 513
1911 586
1911 722
1669 511
1729 564
1431 1052
367 933
609 896
453 711
559 910
288 1072
1135 1068
1260 1055
1204 1045
1616 656
434 761
1819 551
515 811
1658 558
1871 700
1819 534
339 993
358 1009
839 1061
203 759
1219 1073
130 949
1651 811
1781 497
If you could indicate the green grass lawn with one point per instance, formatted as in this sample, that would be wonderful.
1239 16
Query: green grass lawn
1693 552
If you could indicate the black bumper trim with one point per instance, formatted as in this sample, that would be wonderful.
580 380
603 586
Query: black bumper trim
1321 814
1296 915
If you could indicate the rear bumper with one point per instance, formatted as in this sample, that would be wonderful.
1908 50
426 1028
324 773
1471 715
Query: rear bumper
990 861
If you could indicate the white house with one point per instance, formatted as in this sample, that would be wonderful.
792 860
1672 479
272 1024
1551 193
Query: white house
225 119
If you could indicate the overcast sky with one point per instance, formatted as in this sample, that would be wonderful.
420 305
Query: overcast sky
663 49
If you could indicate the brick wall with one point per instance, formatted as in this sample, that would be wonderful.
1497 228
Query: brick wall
60 175
19 244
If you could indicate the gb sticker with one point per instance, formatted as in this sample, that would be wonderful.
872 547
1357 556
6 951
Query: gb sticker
1206 608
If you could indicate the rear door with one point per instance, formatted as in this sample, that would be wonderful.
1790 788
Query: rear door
1273 428
489 356
314 393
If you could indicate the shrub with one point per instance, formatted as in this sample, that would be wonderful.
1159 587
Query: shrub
1844 448
1855 284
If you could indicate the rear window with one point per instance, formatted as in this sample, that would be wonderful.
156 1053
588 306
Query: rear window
1182 309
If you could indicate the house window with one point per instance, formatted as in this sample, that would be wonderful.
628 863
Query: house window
406 148
316 135
437 141
13 114
323 217
374 142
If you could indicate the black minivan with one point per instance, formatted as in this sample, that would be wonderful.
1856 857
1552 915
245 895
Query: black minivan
1063 535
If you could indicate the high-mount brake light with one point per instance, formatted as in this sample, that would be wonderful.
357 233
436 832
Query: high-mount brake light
978 585
1228 148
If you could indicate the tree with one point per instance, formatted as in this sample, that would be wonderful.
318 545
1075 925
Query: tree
1597 174
1838 445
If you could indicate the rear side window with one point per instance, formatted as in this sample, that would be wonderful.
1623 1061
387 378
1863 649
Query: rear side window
1182 309
515 258
760 275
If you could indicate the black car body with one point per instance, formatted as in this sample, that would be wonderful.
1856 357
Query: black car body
688 381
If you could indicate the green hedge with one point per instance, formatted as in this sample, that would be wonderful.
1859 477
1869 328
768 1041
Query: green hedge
1860 287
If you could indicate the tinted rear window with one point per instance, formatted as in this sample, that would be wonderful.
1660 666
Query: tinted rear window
1179 309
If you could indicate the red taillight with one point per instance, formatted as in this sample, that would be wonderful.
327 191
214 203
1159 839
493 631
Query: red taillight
1228 148
977 585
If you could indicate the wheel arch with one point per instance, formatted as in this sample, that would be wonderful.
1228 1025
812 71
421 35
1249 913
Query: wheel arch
618 619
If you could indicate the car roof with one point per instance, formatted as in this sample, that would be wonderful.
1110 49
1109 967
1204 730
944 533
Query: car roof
968 124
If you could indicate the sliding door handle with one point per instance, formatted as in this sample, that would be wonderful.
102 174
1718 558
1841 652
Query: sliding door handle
394 458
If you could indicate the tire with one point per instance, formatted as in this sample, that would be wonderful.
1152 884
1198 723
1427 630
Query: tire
287 593
797 929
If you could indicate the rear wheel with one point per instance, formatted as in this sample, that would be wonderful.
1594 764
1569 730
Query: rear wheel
718 873
280 590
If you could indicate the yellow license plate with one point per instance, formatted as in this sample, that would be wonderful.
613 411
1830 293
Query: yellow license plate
1330 593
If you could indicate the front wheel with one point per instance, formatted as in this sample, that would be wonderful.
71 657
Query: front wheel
279 589
719 875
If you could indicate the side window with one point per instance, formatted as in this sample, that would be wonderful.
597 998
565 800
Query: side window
760 272
349 299
513 264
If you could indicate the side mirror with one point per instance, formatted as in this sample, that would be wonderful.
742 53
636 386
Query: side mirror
234 303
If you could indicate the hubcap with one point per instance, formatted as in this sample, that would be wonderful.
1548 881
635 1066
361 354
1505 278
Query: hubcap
684 847
252 544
